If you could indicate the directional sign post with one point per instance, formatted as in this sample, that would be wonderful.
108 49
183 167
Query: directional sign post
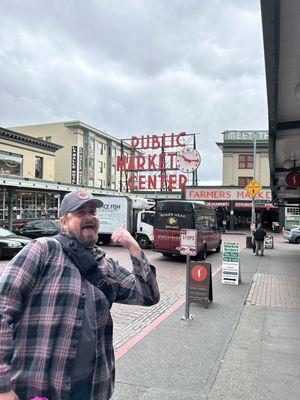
188 248
253 188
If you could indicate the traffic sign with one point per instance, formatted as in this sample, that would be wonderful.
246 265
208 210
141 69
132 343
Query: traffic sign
188 242
253 187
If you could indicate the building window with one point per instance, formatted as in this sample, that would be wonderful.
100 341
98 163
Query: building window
244 180
113 172
245 161
100 167
11 164
100 149
39 167
91 146
91 168
112 151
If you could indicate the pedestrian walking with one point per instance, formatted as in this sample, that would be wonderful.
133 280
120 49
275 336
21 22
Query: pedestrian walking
55 300
259 237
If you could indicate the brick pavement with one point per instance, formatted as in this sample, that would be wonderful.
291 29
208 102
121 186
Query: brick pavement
269 290
128 321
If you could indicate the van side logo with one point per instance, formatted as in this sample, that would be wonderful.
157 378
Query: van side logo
172 221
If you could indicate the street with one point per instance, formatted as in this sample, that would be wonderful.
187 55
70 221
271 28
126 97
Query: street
171 271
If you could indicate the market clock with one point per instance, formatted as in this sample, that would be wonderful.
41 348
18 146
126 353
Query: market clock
188 159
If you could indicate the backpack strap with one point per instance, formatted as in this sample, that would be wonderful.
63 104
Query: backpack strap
86 263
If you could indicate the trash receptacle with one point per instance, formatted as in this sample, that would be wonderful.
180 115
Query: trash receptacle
269 242
275 227
249 244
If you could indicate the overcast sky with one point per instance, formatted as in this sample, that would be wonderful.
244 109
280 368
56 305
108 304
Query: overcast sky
134 67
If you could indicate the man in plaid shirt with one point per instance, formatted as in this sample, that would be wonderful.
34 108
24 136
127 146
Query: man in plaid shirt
55 326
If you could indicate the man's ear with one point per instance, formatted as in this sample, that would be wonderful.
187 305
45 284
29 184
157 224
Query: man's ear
63 221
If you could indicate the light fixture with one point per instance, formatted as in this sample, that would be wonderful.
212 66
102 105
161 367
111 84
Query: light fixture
288 164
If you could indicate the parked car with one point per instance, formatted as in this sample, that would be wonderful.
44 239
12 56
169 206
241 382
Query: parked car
292 235
38 228
10 243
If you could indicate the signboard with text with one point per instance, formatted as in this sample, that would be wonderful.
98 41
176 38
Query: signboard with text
80 166
200 282
188 242
246 135
225 194
74 165
231 263
158 162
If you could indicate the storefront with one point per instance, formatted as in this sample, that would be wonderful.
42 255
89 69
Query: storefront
233 205
26 199
30 204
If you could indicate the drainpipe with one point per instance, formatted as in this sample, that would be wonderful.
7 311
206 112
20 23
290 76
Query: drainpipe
10 203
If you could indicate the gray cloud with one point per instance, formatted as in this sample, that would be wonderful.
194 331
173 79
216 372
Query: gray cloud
135 67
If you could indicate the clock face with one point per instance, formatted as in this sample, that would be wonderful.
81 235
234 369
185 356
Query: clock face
188 159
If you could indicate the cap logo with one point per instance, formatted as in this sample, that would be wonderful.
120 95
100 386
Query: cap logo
82 195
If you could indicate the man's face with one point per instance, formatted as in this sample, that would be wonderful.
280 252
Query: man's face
83 224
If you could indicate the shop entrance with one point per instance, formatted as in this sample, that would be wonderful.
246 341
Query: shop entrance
264 214
268 216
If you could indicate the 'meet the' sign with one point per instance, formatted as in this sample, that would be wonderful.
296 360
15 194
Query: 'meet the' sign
246 135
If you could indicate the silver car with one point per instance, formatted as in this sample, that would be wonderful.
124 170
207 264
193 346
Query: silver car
292 235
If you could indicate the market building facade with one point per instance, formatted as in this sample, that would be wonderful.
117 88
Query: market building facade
23 157
88 157
231 201
39 164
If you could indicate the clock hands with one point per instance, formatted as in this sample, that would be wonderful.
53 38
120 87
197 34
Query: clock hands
189 160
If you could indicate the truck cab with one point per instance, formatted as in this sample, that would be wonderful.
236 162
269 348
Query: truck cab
144 228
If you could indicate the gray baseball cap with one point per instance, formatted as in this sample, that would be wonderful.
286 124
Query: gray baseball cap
76 199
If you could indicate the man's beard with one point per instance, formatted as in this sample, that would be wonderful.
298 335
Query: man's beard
84 240
87 241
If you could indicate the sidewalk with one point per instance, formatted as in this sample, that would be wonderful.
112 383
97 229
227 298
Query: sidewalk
246 345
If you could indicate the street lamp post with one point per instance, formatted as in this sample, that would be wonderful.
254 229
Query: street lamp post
253 216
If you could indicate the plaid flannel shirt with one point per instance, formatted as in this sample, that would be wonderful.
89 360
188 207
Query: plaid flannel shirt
41 312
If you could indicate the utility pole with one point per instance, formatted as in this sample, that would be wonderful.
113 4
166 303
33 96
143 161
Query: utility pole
253 217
